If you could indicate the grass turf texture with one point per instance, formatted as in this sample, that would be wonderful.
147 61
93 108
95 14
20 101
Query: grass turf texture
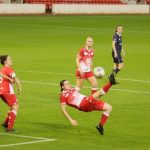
48 45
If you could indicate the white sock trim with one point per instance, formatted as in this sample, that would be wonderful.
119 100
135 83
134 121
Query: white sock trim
15 112
102 91
106 114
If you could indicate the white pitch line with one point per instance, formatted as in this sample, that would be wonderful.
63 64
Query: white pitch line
124 90
134 80
25 136
39 140
43 83
54 84
70 74
131 91
48 72
26 143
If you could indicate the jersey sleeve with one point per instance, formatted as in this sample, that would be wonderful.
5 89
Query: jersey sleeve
81 53
10 72
62 99
115 38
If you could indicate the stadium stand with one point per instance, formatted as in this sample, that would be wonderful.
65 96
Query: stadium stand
48 3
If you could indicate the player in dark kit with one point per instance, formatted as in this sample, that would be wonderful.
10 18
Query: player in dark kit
117 48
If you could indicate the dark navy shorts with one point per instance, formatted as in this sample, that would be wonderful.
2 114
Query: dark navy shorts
117 59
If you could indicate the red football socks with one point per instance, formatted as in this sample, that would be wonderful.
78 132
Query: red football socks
104 119
6 119
106 87
94 90
11 120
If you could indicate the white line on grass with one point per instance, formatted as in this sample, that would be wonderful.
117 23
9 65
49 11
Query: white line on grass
43 83
60 73
39 140
26 143
24 136
131 91
134 80
54 84
45 72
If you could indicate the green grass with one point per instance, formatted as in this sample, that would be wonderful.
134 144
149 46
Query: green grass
48 45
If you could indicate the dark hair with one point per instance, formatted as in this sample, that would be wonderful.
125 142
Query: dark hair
62 84
3 59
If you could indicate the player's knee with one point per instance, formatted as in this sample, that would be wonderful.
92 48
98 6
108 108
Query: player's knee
109 108
15 107
94 84
121 66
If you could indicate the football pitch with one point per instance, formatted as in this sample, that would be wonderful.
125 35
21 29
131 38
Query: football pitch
44 49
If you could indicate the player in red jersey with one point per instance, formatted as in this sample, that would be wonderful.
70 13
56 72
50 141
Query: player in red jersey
84 66
7 93
3 76
70 96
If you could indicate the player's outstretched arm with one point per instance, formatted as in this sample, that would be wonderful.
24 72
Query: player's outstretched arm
17 81
72 121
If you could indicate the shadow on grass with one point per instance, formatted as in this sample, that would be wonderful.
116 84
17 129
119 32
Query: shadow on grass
58 128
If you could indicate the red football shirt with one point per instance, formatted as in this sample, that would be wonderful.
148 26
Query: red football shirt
86 59
5 86
71 97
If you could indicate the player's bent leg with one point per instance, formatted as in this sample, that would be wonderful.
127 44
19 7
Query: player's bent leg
15 107
107 108
5 123
97 94
79 84
106 112
120 66
92 80
115 66
102 91
12 117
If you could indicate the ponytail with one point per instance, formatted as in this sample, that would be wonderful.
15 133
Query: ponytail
62 84
3 59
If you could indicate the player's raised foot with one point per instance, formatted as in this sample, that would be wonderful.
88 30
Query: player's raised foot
4 125
10 130
112 79
100 129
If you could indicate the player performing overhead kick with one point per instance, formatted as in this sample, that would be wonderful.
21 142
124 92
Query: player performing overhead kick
72 97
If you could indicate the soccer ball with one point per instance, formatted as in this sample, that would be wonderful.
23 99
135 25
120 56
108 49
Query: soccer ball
99 72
